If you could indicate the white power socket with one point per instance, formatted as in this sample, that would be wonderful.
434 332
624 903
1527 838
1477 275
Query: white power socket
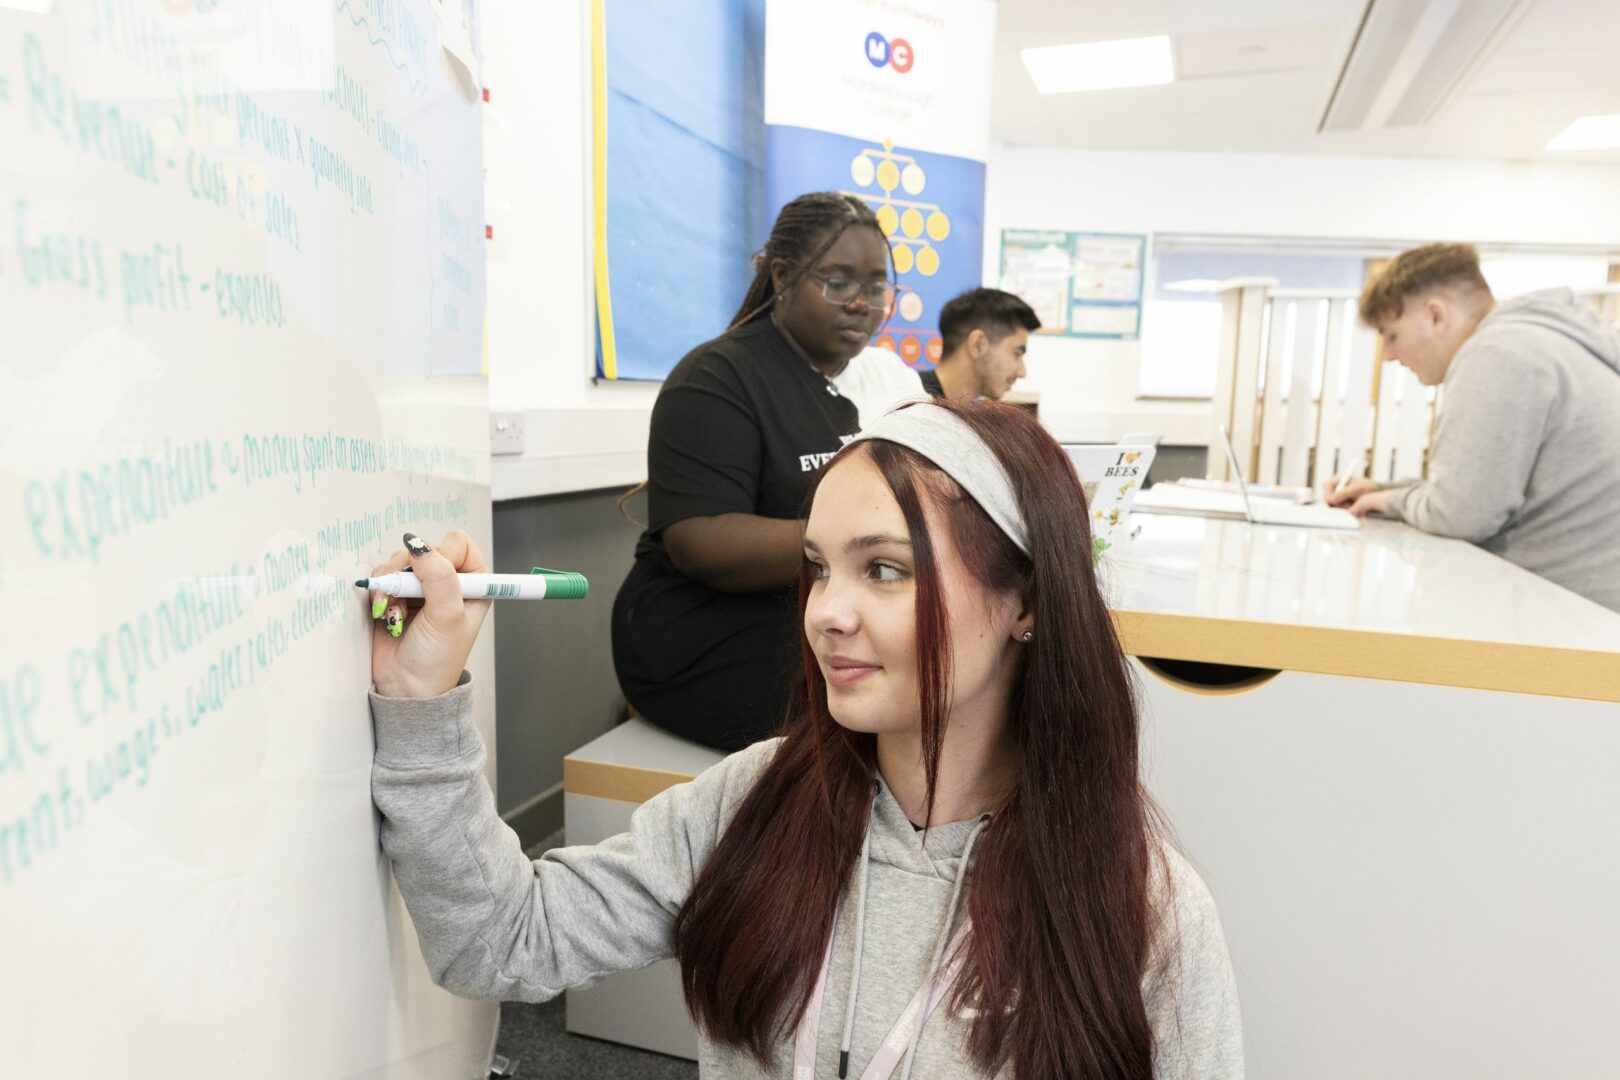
506 433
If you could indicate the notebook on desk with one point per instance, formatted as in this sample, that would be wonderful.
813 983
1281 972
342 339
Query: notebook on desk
1111 476
1178 498
1278 512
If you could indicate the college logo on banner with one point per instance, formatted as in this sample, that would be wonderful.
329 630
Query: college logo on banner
903 124
896 54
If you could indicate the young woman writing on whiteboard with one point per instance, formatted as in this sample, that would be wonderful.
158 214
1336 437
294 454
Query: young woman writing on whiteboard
952 820
703 625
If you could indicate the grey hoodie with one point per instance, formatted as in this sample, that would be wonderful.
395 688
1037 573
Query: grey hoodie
492 924
1526 456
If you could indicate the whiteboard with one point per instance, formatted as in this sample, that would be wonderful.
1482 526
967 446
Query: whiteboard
241 312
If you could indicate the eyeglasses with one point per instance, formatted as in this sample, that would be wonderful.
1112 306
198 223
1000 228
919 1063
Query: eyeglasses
841 290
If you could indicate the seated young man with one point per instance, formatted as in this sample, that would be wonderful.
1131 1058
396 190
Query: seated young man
984 334
1526 455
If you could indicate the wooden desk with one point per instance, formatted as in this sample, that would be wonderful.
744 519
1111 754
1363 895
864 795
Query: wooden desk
1386 602
1404 801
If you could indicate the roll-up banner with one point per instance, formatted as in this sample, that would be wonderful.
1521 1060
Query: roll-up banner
889 101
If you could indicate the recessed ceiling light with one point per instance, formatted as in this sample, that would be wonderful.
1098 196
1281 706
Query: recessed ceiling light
1100 65
1588 133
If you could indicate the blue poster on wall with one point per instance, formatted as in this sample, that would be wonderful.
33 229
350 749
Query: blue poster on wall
678 160
930 205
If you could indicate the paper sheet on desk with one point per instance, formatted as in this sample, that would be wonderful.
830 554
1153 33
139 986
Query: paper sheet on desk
1298 495
1195 502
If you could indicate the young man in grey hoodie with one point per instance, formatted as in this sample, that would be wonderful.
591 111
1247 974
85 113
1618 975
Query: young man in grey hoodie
1526 456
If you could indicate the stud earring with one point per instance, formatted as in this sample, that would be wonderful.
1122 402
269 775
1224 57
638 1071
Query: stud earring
1027 636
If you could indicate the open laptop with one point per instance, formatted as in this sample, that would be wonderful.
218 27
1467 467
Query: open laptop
1110 476
1278 512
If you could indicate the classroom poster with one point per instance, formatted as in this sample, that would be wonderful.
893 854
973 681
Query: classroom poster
889 102
1081 284
677 134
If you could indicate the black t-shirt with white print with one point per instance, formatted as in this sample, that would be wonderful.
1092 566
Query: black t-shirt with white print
740 426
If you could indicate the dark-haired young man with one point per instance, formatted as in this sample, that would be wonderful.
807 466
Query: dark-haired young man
1526 456
984 334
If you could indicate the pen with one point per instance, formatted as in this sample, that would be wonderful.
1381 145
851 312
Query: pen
541 584
1349 474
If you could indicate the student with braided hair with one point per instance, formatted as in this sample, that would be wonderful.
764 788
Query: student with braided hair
704 625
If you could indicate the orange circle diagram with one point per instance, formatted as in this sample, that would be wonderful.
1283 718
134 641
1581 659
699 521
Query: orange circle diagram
910 348
886 341
936 348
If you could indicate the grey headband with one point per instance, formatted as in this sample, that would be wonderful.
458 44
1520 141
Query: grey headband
945 439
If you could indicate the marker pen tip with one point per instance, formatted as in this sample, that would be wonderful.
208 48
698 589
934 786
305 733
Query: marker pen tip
363 583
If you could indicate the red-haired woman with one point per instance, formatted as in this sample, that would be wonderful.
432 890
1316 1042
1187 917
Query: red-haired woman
946 866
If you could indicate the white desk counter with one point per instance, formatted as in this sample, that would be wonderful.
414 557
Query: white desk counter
1406 807
1385 602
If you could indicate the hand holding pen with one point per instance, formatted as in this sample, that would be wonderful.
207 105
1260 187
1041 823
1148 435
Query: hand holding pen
1347 487
419 648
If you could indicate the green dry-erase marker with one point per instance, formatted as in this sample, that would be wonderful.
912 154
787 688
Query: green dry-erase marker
541 584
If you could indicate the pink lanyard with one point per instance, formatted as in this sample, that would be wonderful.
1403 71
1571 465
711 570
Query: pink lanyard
893 1047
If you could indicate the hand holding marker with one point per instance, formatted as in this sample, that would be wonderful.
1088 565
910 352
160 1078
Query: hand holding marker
448 590
538 584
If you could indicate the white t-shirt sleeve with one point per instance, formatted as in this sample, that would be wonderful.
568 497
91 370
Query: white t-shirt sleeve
876 381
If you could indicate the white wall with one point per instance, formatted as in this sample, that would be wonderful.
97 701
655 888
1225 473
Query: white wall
1088 388
578 435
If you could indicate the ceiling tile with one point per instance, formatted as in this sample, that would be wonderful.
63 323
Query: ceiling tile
1560 60
1280 48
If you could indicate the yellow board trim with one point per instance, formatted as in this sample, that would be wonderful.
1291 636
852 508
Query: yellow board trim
1588 675
622 783
604 302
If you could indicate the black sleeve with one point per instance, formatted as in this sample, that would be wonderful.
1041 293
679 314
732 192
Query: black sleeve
704 449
